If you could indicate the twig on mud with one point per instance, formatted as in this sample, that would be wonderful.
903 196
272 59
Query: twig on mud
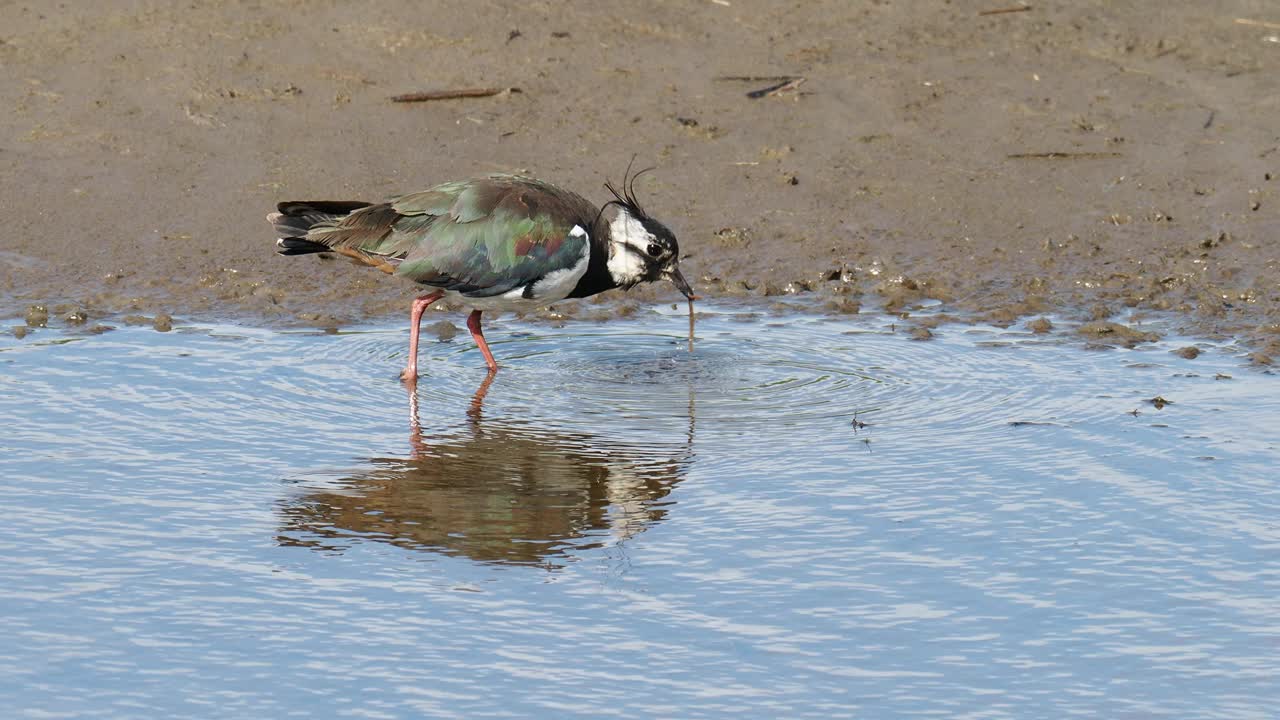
1209 123
778 89
1258 23
754 78
1063 155
1002 11
452 94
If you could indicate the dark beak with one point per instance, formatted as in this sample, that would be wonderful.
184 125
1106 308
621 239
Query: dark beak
681 284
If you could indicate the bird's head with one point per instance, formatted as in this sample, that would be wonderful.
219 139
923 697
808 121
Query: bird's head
641 249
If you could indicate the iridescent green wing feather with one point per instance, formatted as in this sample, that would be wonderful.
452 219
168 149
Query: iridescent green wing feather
479 237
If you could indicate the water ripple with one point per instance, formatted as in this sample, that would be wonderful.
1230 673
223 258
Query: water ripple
800 518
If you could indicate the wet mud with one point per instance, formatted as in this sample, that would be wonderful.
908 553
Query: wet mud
1084 160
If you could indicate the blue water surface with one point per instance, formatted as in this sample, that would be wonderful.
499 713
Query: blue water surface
802 517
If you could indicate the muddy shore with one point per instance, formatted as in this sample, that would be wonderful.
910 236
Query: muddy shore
1077 159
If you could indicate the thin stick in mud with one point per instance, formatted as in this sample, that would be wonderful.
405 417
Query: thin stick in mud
428 95
778 89
1003 11
1056 155
753 78
1258 23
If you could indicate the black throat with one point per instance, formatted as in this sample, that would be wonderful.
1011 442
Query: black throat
597 278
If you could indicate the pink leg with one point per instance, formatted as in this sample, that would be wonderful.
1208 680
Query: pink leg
415 317
473 324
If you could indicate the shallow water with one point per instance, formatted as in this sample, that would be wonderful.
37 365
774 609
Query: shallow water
801 518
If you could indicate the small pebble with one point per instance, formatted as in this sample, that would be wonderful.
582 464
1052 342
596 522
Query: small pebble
163 322
75 317
19 331
37 316
443 330
1189 352
1040 326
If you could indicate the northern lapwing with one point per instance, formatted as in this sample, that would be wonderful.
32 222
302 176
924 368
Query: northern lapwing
499 242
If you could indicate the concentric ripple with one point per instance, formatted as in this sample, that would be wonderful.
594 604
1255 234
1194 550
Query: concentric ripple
738 377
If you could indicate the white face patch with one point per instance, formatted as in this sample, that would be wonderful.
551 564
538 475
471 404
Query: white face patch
627 266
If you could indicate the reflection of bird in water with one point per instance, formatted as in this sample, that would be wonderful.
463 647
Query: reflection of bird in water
506 492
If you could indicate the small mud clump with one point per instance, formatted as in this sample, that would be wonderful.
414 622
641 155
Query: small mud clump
444 331
899 293
1040 326
19 331
772 289
844 306
732 237
162 322
1116 334
37 316
1189 352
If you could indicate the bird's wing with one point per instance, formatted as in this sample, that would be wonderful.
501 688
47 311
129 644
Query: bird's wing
479 237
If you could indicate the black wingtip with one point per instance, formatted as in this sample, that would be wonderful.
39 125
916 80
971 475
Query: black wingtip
326 207
299 246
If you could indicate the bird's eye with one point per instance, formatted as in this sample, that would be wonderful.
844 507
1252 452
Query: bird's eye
654 250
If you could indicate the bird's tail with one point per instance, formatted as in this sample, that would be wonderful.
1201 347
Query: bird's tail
293 220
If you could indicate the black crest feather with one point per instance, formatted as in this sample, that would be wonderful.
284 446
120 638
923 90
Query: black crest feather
626 198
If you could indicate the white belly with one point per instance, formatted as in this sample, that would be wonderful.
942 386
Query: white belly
513 301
